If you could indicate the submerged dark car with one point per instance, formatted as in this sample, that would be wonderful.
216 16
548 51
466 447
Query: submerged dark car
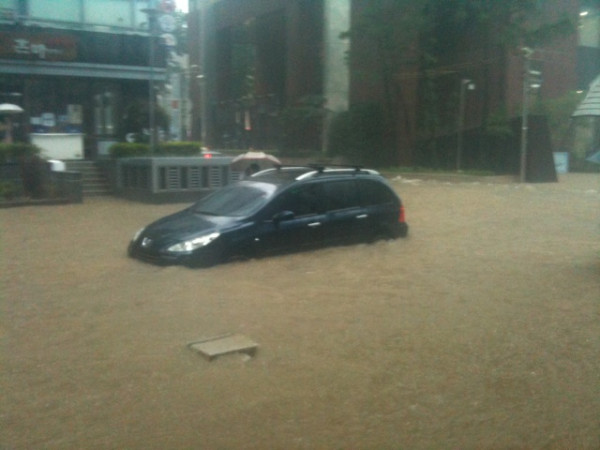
276 210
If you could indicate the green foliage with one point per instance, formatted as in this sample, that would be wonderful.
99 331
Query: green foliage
8 190
17 151
136 119
431 39
575 136
498 127
302 123
507 23
131 150
385 32
179 148
558 111
359 135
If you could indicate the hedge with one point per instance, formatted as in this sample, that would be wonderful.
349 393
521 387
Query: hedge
129 150
17 151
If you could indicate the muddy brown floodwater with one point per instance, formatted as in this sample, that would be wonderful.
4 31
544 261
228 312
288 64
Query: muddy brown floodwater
480 330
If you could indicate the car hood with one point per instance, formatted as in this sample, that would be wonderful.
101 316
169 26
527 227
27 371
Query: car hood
184 225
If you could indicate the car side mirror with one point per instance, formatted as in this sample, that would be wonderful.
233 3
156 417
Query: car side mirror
283 216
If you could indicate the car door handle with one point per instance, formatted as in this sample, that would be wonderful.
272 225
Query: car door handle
314 224
362 216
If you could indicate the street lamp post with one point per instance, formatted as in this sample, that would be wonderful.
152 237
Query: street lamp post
527 52
201 79
152 13
465 84
202 75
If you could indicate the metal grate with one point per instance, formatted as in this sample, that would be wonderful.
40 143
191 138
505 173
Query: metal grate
173 178
195 178
215 177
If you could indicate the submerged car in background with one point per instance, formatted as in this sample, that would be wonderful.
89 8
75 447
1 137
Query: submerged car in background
276 210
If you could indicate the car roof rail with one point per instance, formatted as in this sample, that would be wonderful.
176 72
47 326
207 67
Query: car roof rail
323 167
341 169
280 168
334 169
315 169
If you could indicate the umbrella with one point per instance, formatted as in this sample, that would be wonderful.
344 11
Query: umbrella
255 160
9 108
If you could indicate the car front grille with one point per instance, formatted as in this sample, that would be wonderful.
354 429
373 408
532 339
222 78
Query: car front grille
136 250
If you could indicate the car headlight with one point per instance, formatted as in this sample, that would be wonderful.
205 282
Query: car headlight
193 244
138 233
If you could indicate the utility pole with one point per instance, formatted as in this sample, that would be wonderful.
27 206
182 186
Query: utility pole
152 13
532 80
527 52
464 85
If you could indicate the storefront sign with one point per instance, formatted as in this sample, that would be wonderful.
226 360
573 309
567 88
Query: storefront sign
80 46
38 46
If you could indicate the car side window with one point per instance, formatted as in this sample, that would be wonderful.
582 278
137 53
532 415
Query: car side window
375 193
301 200
339 195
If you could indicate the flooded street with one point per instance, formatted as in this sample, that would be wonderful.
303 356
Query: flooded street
479 330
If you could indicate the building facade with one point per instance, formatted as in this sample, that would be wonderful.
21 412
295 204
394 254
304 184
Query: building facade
77 66
257 59
253 59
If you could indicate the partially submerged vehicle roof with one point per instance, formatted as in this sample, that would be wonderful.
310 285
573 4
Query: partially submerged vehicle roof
282 175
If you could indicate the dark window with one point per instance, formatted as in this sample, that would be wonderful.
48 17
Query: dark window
375 193
162 175
302 200
205 179
340 195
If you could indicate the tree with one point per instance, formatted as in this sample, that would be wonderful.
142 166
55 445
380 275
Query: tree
396 42
136 119
385 32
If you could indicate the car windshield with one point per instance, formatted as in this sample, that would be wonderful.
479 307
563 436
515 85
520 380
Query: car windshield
236 200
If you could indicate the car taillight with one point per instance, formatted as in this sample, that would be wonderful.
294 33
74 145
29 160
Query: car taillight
207 155
401 216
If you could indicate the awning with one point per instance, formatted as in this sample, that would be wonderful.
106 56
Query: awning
86 70
590 106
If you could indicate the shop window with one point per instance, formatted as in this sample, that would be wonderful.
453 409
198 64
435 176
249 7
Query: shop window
60 10
589 27
8 9
104 113
55 106
115 13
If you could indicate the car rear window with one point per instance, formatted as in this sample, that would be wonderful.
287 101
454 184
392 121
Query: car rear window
375 193
340 195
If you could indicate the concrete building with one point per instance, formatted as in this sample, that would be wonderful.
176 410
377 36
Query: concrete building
254 59
75 66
